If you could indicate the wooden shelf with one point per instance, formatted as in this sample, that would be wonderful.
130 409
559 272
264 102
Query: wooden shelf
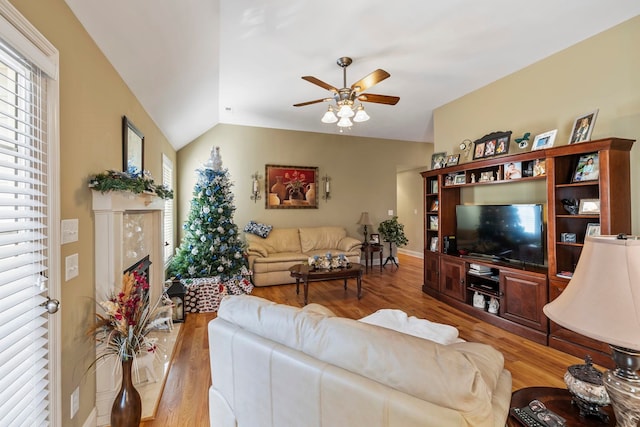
528 291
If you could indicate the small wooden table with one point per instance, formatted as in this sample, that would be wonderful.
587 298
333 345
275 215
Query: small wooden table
559 401
369 250
307 274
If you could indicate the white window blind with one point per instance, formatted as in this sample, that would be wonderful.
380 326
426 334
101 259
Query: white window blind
24 252
167 180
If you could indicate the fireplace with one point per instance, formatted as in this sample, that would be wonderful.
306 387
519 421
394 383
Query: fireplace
128 232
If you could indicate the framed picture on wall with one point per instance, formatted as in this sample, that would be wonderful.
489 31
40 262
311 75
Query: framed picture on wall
132 148
291 187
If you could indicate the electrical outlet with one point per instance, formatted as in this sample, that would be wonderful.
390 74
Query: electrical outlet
75 401
390 212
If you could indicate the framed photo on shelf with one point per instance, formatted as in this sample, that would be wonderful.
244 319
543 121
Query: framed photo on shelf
433 223
502 146
434 206
492 144
459 179
582 127
589 207
438 160
544 140
374 239
434 244
453 159
587 168
490 148
513 170
539 167
593 229
434 186
478 152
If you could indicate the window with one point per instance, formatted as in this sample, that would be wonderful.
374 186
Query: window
29 366
167 180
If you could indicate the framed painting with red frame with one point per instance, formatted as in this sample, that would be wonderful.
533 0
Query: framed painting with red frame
291 187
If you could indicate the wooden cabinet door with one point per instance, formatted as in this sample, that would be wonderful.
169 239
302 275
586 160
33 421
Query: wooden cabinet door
524 297
431 270
452 277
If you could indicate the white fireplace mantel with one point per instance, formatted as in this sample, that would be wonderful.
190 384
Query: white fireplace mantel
110 213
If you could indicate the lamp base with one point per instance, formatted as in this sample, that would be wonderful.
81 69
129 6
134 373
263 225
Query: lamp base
589 409
623 387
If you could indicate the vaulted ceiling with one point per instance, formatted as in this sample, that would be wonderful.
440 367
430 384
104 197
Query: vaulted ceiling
196 63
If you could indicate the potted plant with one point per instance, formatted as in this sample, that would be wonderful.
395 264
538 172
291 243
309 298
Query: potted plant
393 232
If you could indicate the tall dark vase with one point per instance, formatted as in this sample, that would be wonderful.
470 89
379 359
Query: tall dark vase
127 406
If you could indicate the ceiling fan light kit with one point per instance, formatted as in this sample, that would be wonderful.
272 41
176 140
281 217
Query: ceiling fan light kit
345 106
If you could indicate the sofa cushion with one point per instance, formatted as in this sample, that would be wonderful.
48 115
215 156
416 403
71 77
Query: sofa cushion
278 240
461 376
314 238
258 229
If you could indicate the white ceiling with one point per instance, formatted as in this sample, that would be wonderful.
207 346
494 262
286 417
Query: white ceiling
196 63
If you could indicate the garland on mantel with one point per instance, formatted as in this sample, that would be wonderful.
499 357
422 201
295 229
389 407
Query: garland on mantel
122 181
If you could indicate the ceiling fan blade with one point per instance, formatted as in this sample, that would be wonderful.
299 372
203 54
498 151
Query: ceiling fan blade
320 83
373 78
302 104
379 99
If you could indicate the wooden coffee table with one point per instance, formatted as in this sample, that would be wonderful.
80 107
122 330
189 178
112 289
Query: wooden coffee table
307 274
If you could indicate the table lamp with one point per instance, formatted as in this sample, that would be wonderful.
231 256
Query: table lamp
364 220
602 301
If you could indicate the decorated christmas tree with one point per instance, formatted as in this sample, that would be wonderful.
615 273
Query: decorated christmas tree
211 246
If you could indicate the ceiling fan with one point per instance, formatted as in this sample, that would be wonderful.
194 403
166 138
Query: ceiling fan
346 96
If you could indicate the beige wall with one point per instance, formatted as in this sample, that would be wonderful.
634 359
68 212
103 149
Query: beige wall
93 99
411 209
602 72
362 171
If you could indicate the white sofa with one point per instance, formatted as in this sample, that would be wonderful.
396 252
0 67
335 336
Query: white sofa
271 257
274 365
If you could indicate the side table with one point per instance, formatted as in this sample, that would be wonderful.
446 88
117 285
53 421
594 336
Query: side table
559 401
369 250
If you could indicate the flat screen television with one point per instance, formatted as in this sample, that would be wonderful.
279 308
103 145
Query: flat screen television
512 233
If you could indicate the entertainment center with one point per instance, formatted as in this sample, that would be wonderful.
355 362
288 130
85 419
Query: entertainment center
518 266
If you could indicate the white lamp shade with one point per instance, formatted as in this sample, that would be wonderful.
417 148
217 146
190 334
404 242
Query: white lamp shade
364 219
602 300
361 115
329 117
345 111
345 122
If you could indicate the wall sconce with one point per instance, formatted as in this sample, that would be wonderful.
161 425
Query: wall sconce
326 187
255 189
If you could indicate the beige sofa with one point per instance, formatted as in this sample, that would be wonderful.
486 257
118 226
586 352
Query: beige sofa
270 258
274 365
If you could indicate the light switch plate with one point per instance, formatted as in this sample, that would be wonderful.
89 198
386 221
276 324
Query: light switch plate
71 267
390 212
69 228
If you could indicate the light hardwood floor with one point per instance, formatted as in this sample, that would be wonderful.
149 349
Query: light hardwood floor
185 398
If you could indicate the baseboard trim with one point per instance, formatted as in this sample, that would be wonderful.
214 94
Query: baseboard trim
92 419
414 254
